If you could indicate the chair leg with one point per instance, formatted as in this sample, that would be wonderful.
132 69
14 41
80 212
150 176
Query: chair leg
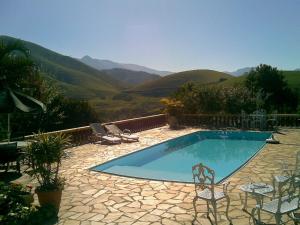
207 206
278 219
18 166
194 204
227 208
215 212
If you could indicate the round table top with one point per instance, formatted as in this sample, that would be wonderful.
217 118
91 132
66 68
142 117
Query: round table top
259 188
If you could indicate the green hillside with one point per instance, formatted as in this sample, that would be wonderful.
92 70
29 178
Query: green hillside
292 78
73 77
130 78
168 84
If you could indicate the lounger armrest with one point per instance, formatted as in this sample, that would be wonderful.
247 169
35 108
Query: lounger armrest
127 131
110 134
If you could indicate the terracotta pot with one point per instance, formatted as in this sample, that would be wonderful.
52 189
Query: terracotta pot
50 197
173 122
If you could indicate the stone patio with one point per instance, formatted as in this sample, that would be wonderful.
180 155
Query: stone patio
94 198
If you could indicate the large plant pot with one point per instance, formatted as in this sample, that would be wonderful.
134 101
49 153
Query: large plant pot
50 197
173 122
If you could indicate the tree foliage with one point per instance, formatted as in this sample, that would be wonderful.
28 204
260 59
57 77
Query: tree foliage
20 73
273 89
264 88
211 99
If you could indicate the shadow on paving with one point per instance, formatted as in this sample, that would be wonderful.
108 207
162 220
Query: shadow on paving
7 177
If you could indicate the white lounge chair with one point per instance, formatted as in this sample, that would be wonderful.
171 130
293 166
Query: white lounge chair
125 135
100 133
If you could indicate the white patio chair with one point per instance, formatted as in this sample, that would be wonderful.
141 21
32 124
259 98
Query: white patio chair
287 202
287 172
205 189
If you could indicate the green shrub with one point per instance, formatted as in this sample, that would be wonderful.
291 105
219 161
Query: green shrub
14 209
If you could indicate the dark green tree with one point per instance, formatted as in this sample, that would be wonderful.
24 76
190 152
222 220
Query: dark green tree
272 87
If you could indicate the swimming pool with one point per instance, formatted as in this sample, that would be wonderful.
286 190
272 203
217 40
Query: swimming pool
223 151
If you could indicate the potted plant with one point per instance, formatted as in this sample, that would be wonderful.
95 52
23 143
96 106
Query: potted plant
174 109
45 155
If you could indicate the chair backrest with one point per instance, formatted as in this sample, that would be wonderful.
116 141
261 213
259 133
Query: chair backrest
286 191
97 128
204 178
8 152
112 128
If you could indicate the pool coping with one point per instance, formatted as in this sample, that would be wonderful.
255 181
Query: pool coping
174 181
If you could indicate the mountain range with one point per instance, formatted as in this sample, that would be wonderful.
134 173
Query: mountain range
241 71
120 93
103 64
74 78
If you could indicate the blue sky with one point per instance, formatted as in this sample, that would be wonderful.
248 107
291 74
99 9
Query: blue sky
170 35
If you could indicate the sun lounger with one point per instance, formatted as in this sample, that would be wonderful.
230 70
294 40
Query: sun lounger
99 132
125 135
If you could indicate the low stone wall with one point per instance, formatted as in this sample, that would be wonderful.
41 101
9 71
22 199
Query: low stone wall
81 135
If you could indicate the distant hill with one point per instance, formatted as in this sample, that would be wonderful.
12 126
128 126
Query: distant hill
292 78
240 72
130 78
101 64
168 84
76 79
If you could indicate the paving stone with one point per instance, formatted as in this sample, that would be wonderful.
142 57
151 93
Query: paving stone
176 210
72 222
93 198
97 217
82 208
149 218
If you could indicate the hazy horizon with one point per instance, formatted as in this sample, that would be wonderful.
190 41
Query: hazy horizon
162 34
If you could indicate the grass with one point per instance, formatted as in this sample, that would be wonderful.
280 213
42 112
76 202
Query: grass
168 84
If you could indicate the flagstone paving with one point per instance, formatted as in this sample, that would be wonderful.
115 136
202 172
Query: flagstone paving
94 198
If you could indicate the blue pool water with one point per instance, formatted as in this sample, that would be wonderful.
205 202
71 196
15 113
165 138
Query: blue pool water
223 151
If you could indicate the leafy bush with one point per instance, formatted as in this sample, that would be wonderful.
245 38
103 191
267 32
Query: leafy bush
45 155
265 88
173 107
14 209
211 99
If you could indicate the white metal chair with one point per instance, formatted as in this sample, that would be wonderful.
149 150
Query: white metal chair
286 202
288 172
205 189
